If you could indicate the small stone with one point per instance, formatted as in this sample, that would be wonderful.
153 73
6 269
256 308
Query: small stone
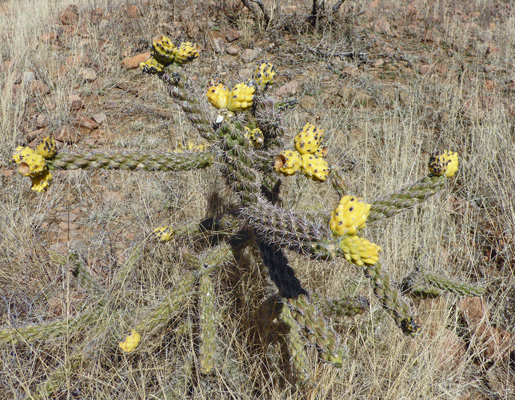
249 55
70 15
307 102
218 45
41 121
232 35
85 123
75 102
233 49
48 37
99 117
133 11
88 74
133 62
67 134
382 26
378 63
288 89
39 87
489 85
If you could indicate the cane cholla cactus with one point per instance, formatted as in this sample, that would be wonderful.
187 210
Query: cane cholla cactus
258 220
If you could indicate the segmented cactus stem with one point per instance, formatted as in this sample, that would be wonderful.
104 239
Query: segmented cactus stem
135 160
298 355
317 332
207 324
346 306
178 85
82 274
49 330
47 388
389 296
406 198
462 289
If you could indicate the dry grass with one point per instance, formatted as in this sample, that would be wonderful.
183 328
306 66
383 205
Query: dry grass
381 123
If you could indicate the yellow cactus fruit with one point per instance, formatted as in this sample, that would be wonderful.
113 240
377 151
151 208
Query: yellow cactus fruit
186 52
264 74
151 66
218 94
47 147
163 50
163 233
349 216
359 250
315 168
131 342
288 162
255 136
32 164
241 96
41 182
20 153
308 140
445 163
321 151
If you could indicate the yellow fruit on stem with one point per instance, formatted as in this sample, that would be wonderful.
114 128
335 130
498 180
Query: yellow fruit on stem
359 250
163 233
163 50
241 96
309 139
218 95
186 52
288 162
131 342
349 216
47 147
315 168
445 163
264 74
41 182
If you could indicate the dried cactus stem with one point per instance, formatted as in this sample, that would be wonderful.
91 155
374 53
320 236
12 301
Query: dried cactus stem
406 198
135 160
207 324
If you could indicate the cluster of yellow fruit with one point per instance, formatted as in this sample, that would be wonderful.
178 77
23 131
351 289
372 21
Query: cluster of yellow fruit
264 74
255 136
131 342
445 163
239 98
163 233
347 219
165 53
307 156
32 163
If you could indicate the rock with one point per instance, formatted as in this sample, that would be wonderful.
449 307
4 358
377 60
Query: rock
218 45
88 74
489 85
382 26
39 87
289 89
67 134
133 11
48 37
75 60
75 102
70 15
68 226
378 63
307 102
475 311
99 117
232 35
27 77
233 49
249 55
96 16
85 123
41 121
133 62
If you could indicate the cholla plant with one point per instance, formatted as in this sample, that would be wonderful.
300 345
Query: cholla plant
246 144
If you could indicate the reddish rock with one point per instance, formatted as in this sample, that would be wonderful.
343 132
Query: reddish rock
39 87
424 69
70 15
232 35
67 134
133 62
88 74
475 311
133 11
85 123
75 102
48 37
378 63
250 54
489 85
233 49
382 26
73 61
99 117
288 89
41 121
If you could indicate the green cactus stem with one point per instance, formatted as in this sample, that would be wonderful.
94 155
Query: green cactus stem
179 87
135 160
462 289
406 198
207 324
317 332
346 306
